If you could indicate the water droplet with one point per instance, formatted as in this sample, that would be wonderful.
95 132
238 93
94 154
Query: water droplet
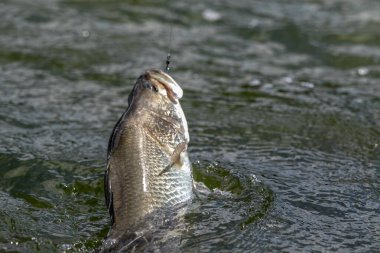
288 79
66 247
255 82
254 23
254 179
307 85
268 86
211 15
363 71
85 33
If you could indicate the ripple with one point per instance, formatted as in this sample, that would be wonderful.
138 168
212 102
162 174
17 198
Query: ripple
233 203
287 91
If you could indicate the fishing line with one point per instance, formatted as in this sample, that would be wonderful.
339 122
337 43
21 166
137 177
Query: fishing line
169 48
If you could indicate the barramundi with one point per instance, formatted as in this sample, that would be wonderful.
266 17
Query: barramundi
148 167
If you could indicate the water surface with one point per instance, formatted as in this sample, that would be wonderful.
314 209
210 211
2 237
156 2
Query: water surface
282 100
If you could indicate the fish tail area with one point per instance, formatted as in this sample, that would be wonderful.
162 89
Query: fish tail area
125 242
159 231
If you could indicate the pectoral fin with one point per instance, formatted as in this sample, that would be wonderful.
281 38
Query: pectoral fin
175 158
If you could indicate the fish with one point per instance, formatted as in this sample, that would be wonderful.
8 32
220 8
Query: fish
148 166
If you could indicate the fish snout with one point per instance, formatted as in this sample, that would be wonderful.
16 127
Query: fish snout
160 80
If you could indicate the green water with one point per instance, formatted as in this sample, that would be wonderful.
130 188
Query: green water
282 100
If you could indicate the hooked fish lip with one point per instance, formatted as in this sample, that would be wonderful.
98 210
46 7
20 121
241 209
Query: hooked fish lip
169 83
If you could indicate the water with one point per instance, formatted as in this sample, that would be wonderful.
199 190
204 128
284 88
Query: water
282 100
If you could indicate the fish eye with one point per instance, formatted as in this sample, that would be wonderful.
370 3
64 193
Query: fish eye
147 85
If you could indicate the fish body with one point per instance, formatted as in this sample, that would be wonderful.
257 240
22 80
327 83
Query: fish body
148 167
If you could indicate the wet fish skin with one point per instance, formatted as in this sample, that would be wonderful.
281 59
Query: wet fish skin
147 164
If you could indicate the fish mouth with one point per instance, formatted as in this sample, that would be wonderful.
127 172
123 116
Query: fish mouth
173 89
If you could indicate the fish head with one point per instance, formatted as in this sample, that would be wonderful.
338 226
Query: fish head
155 88
156 95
